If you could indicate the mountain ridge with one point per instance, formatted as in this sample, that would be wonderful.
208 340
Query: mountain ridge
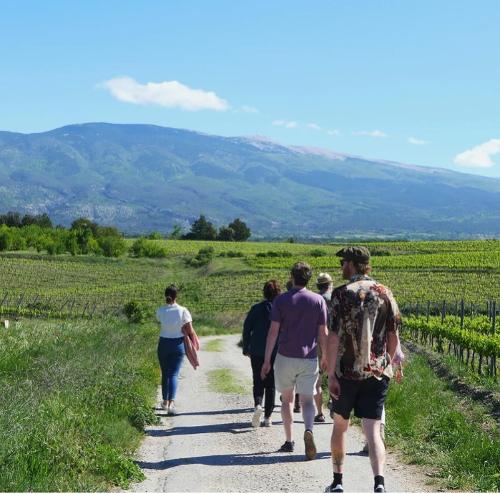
141 177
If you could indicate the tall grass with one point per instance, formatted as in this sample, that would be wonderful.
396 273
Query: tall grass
74 399
452 437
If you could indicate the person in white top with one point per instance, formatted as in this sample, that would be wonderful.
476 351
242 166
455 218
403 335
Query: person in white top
173 318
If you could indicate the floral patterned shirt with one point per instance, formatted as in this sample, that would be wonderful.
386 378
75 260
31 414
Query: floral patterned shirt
362 312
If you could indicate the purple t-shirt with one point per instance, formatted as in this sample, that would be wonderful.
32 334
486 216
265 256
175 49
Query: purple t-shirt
299 313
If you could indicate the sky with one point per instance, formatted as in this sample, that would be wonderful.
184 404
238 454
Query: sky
409 81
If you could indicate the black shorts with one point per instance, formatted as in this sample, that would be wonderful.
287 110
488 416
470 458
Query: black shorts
366 397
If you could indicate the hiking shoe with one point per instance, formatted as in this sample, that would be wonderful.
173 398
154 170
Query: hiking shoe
257 415
335 488
287 447
309 445
267 422
319 418
379 488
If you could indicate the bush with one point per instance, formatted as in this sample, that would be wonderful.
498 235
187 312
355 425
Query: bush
155 236
318 253
5 240
147 248
232 253
136 312
203 257
275 253
112 246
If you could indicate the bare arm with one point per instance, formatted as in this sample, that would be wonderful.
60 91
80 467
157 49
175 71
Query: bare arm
187 329
332 352
272 336
392 343
322 340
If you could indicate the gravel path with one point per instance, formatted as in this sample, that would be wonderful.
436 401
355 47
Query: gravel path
210 445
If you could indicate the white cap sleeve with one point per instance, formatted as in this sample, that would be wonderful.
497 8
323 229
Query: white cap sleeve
186 316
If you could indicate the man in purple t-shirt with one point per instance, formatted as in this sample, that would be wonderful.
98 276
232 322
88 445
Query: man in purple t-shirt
299 316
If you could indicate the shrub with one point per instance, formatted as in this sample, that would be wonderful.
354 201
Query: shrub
136 312
147 248
318 253
112 246
275 253
5 240
203 257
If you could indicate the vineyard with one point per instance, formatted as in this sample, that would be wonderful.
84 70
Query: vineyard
88 286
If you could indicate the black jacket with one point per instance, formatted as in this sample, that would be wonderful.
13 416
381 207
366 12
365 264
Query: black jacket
255 329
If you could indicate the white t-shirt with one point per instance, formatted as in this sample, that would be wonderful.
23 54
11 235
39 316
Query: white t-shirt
172 318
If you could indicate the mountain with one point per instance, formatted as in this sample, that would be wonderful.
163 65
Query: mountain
144 177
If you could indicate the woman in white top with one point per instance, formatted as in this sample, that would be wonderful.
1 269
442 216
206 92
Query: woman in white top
173 318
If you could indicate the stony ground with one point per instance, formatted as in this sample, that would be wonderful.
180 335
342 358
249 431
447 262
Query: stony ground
210 445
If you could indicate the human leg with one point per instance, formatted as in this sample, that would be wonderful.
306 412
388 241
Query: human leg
376 446
258 383
174 363
337 442
270 394
162 359
318 399
286 412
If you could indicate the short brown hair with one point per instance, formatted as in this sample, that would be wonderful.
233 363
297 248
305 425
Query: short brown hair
271 290
301 273
362 267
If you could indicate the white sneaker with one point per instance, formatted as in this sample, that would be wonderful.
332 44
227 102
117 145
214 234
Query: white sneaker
164 405
267 422
257 415
171 410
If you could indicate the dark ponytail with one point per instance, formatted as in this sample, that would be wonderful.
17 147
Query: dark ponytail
171 294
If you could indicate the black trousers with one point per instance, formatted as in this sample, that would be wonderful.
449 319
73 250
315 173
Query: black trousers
263 386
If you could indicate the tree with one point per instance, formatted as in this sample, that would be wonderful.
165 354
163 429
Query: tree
241 230
176 232
226 234
202 229
11 219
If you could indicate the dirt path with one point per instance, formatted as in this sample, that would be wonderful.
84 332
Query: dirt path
211 447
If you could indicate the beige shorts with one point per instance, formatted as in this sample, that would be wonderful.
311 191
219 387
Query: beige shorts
300 373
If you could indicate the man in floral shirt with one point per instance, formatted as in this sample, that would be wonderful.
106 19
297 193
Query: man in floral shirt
364 334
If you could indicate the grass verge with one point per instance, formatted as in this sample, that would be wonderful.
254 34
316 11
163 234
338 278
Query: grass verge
213 345
436 428
225 381
75 398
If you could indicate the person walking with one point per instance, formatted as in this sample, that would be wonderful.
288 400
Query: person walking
176 326
324 284
362 341
255 331
299 317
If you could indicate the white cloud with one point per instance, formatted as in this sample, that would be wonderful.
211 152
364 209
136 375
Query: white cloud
370 133
314 126
249 109
171 94
417 142
333 132
289 124
479 156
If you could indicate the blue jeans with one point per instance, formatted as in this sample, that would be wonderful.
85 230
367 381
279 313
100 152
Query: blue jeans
170 354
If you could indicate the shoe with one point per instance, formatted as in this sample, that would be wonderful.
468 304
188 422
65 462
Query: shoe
267 422
319 418
335 488
257 415
297 409
287 447
171 411
164 405
309 445
379 488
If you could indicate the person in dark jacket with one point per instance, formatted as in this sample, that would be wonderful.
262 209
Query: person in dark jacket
255 329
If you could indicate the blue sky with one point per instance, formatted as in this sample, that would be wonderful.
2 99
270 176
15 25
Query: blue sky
409 81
